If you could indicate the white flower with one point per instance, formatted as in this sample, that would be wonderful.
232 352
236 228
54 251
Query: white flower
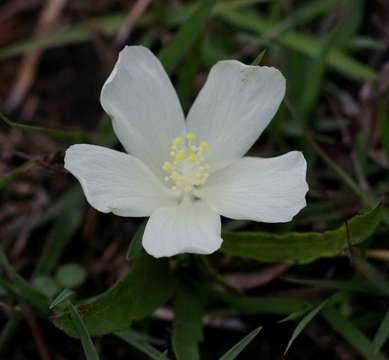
185 174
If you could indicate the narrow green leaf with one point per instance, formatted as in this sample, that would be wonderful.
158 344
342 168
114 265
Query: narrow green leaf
383 121
10 327
372 275
63 296
68 221
304 322
187 325
68 35
132 338
353 285
172 54
301 43
351 333
301 247
13 174
82 331
259 305
149 285
382 335
239 347
259 57
136 242
24 289
65 135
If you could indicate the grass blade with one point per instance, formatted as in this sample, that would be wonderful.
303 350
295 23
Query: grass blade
136 242
304 322
382 334
301 43
24 289
239 347
13 174
86 341
351 333
63 296
172 54
65 135
132 339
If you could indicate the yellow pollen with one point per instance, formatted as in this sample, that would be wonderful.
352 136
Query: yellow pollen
187 169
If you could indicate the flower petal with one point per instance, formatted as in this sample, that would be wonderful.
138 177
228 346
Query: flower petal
267 190
191 227
144 106
233 108
116 182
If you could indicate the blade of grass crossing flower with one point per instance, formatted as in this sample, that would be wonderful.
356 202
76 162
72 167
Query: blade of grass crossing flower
135 341
24 289
187 325
86 341
382 335
65 135
383 120
351 334
259 57
136 242
240 346
172 54
15 173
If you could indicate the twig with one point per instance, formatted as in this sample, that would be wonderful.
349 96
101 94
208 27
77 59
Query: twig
36 333
134 14
29 64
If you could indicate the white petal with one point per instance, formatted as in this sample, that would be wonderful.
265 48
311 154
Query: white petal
267 190
116 182
144 106
235 105
191 227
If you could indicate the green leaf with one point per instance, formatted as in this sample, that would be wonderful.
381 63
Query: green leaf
23 288
171 54
13 174
239 347
63 296
301 247
133 338
301 43
382 335
187 325
136 242
259 305
149 285
70 275
350 333
65 135
82 331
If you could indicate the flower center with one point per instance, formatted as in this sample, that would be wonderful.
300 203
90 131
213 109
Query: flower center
186 170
